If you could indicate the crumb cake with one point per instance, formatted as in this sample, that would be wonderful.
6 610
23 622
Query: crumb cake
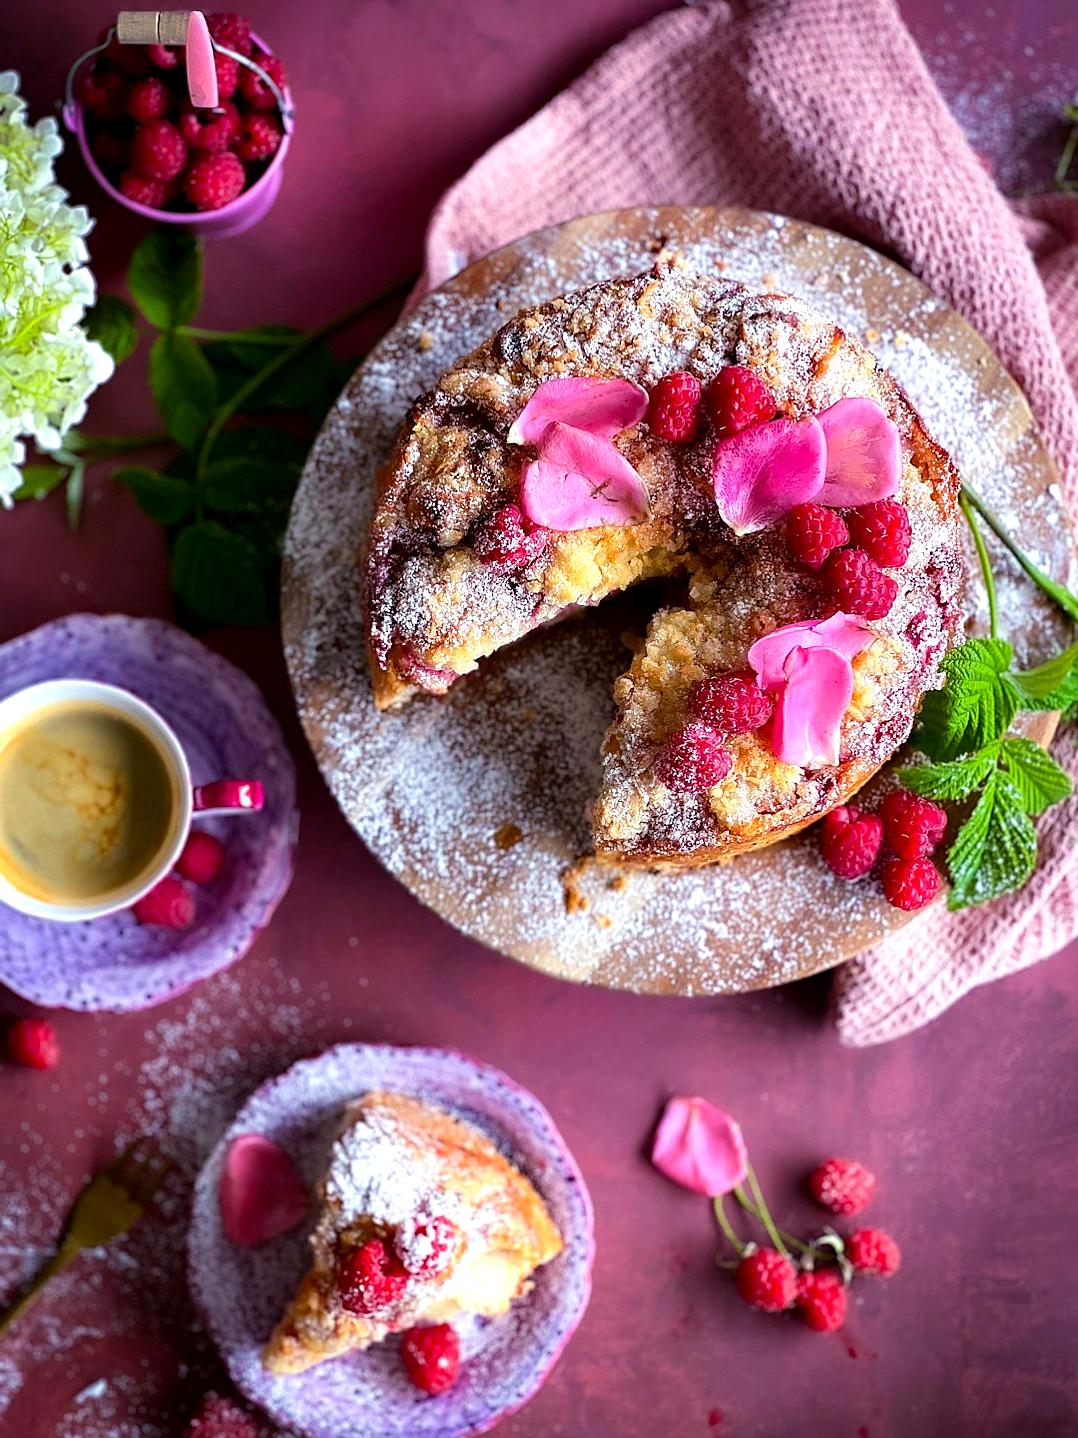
742 448
421 1219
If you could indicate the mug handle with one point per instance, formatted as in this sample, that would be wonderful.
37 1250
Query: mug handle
228 796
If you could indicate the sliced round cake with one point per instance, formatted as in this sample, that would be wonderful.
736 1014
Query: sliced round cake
737 445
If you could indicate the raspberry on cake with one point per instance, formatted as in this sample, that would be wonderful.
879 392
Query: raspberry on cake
421 1219
669 425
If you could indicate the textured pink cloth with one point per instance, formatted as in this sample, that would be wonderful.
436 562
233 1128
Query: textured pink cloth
823 110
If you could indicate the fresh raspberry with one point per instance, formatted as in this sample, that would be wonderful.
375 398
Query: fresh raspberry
859 585
231 31
163 57
843 1185
111 148
912 826
144 191
767 1280
821 1300
32 1044
210 131
202 857
228 75
870 1250
259 136
431 1357
850 841
426 1244
158 150
910 883
731 703
150 99
812 531
674 407
103 93
255 90
882 530
506 539
372 1279
214 181
168 903
693 760
218 1417
738 397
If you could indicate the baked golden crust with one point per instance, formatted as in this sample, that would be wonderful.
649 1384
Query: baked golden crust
435 608
394 1151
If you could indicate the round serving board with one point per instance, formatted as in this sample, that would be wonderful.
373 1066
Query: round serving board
478 802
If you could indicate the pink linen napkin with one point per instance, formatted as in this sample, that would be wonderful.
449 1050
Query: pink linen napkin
823 109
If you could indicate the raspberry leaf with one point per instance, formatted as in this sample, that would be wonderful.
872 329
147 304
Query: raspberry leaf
184 387
1035 774
1052 685
995 850
952 779
976 704
165 277
111 323
162 496
219 575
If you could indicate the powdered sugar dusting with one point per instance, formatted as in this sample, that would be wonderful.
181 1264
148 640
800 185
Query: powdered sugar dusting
430 786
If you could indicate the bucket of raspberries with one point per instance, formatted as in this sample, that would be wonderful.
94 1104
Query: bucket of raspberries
215 170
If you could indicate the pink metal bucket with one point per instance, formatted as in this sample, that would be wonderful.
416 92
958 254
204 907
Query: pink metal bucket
232 219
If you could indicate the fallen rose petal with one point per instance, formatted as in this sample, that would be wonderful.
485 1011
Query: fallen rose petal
808 714
580 481
699 1147
261 1194
845 633
864 454
763 472
602 407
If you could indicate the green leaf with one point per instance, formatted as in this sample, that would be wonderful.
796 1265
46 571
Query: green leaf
976 704
310 384
219 575
161 496
165 277
1036 775
184 388
38 480
995 851
112 323
954 779
248 485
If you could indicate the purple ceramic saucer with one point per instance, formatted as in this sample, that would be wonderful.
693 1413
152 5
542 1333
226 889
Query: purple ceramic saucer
226 730
241 1292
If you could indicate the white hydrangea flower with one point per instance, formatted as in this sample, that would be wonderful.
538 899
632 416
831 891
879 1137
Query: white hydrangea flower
48 368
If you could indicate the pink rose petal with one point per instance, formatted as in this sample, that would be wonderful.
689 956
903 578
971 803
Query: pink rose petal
580 481
864 454
844 633
699 1147
808 714
603 407
261 1194
762 472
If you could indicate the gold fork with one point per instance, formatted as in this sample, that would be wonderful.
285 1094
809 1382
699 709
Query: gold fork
113 1200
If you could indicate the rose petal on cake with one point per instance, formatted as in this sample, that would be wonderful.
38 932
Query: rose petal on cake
261 1194
580 481
762 472
699 1147
808 715
603 407
864 454
845 633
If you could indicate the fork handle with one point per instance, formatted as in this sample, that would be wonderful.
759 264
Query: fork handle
64 1255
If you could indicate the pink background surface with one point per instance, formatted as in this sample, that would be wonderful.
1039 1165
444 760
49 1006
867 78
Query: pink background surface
971 1125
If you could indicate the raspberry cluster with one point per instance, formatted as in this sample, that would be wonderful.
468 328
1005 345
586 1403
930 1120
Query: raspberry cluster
696 757
908 826
734 399
161 152
818 537
170 903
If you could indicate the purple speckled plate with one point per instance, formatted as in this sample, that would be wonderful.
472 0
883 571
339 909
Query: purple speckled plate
241 1293
227 732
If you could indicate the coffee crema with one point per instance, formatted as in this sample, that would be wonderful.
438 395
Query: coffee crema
88 804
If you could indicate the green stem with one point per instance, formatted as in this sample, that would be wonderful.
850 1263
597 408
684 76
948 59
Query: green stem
1059 593
753 1212
238 337
763 1212
985 562
103 445
236 401
1063 168
726 1226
